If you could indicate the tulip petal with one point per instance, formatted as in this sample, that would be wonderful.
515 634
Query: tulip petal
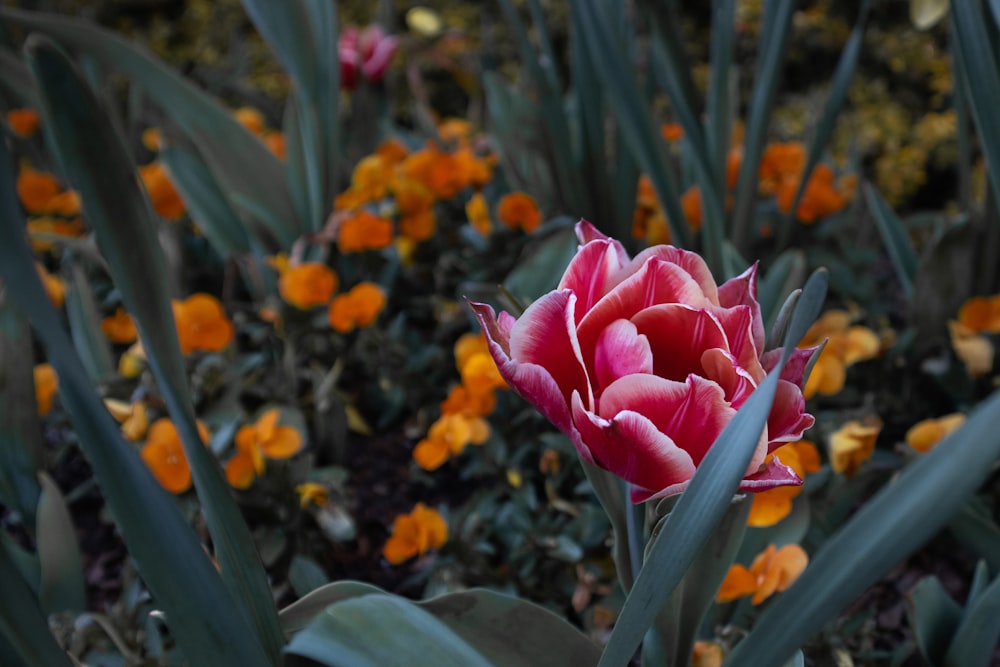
691 263
722 367
737 323
742 291
621 351
774 474
795 367
589 273
630 446
788 419
691 414
678 335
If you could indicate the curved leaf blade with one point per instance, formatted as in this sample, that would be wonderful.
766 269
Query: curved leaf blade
61 586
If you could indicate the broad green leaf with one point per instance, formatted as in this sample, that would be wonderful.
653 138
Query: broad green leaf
305 575
981 81
475 627
775 29
205 201
85 326
934 616
241 163
61 586
700 508
893 524
839 87
629 107
96 162
300 613
896 239
539 271
20 429
974 527
22 623
975 641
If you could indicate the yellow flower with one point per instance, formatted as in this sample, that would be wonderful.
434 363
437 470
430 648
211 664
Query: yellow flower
975 350
308 285
264 439
311 493
202 324
845 346
164 455
448 437
853 444
518 210
772 571
132 361
46 385
132 417
414 534
357 308
924 435
119 328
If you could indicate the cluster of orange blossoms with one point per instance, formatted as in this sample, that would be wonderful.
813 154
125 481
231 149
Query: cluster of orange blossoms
846 344
312 284
414 534
779 175
772 571
978 316
462 413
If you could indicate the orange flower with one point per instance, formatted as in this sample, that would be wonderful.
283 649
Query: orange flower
478 213
371 178
473 169
480 374
975 350
23 122
461 401
251 119
845 346
152 139
357 308
46 384
447 437
275 142
119 328
364 231
162 193
819 199
691 205
519 210
771 506
392 151
164 455
780 162
414 534
308 285
202 324
66 203
259 441
455 131
706 654
36 189
773 570
418 226
924 435
734 160
412 197
853 444
436 169
54 287
52 227
672 131
981 314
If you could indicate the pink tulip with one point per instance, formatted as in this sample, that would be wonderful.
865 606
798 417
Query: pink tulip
369 51
643 362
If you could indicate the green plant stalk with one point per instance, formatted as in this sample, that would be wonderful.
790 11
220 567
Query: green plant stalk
95 160
167 554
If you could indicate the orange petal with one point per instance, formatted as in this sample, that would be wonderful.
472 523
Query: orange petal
284 443
430 454
240 470
738 583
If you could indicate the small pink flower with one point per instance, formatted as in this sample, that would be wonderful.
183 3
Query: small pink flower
369 51
643 362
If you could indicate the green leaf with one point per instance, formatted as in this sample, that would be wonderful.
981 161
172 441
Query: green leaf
61 586
241 163
700 508
981 81
903 516
773 288
933 617
608 490
96 162
20 428
975 640
15 79
475 627
896 239
300 613
22 622
85 326
719 107
629 107
205 200
305 575
539 271
775 29
974 527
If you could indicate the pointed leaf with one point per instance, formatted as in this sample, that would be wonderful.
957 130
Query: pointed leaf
934 616
85 326
896 239
22 623
975 641
61 586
